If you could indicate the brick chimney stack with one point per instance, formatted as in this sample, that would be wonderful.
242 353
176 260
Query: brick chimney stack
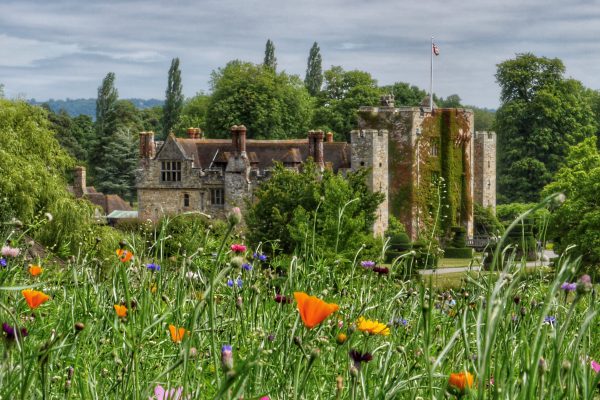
329 137
311 144
318 138
238 139
242 139
147 147
79 184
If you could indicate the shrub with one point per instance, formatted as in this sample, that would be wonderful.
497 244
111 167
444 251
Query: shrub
464 252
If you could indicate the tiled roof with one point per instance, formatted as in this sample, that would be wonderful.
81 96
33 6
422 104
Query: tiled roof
263 153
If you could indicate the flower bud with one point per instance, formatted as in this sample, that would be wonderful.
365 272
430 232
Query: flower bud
79 326
237 262
584 284
226 358
235 216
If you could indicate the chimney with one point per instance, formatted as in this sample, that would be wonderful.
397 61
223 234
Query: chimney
235 139
147 145
242 139
329 137
79 183
311 144
318 138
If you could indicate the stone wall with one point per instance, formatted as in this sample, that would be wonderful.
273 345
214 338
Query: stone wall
370 150
485 169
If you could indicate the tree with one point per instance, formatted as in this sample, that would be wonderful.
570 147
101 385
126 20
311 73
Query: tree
541 115
1 91
485 118
314 71
194 112
117 174
343 94
270 60
271 105
174 98
32 163
577 220
289 204
64 129
105 107
152 119
405 94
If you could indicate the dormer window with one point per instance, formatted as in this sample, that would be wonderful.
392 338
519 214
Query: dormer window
170 171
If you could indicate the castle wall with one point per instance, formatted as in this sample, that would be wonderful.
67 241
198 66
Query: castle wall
370 150
485 169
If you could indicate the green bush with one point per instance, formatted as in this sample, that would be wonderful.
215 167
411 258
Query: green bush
485 222
464 252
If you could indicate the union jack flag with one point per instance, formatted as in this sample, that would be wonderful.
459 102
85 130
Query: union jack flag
435 49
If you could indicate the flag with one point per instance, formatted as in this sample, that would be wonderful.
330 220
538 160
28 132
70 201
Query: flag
435 49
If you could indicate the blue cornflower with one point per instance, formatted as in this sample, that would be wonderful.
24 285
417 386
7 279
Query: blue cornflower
227 357
260 256
2 262
367 264
153 267
247 267
568 287
230 282
550 320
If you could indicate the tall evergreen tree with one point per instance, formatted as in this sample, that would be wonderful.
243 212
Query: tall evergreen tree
105 106
314 71
174 98
270 59
106 116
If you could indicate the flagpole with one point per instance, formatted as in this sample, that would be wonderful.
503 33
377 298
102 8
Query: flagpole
431 76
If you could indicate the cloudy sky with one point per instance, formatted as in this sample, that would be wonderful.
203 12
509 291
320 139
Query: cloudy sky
63 48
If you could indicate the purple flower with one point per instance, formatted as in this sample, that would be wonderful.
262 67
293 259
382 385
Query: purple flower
12 331
568 287
381 270
8 251
595 366
238 281
550 320
247 267
227 357
281 299
153 267
584 284
2 262
398 322
367 264
260 256
358 357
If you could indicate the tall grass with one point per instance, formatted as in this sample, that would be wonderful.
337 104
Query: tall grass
494 328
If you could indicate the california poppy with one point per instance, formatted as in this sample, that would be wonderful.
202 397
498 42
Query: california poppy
35 270
313 310
461 381
176 333
372 327
124 255
34 298
121 310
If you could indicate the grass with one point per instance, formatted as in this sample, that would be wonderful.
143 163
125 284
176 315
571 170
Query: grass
514 329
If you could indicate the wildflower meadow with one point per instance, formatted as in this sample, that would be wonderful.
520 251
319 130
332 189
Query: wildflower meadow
243 323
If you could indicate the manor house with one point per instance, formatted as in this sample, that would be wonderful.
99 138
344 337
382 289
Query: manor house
422 160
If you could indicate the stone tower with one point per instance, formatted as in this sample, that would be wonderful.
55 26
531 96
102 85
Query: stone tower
427 148
370 150
237 172
485 169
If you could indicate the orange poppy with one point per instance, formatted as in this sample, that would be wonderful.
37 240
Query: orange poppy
34 298
124 255
121 310
461 381
372 327
176 333
313 310
35 270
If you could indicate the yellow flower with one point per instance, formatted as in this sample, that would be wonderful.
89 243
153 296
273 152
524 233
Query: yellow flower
373 327
341 338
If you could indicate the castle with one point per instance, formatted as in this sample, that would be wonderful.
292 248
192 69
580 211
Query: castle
411 153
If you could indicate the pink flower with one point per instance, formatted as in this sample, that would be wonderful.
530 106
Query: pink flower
595 366
265 398
8 251
238 248
160 393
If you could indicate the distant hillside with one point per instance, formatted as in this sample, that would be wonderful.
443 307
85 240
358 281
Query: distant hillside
75 107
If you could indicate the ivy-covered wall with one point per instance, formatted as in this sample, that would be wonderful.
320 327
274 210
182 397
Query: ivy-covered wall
427 150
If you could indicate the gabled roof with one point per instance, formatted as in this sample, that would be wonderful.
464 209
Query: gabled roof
173 150
263 153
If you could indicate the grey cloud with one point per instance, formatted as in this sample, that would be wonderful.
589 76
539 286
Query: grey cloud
82 40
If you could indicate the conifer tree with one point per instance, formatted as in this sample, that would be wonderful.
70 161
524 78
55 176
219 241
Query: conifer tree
314 71
270 60
106 117
174 98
